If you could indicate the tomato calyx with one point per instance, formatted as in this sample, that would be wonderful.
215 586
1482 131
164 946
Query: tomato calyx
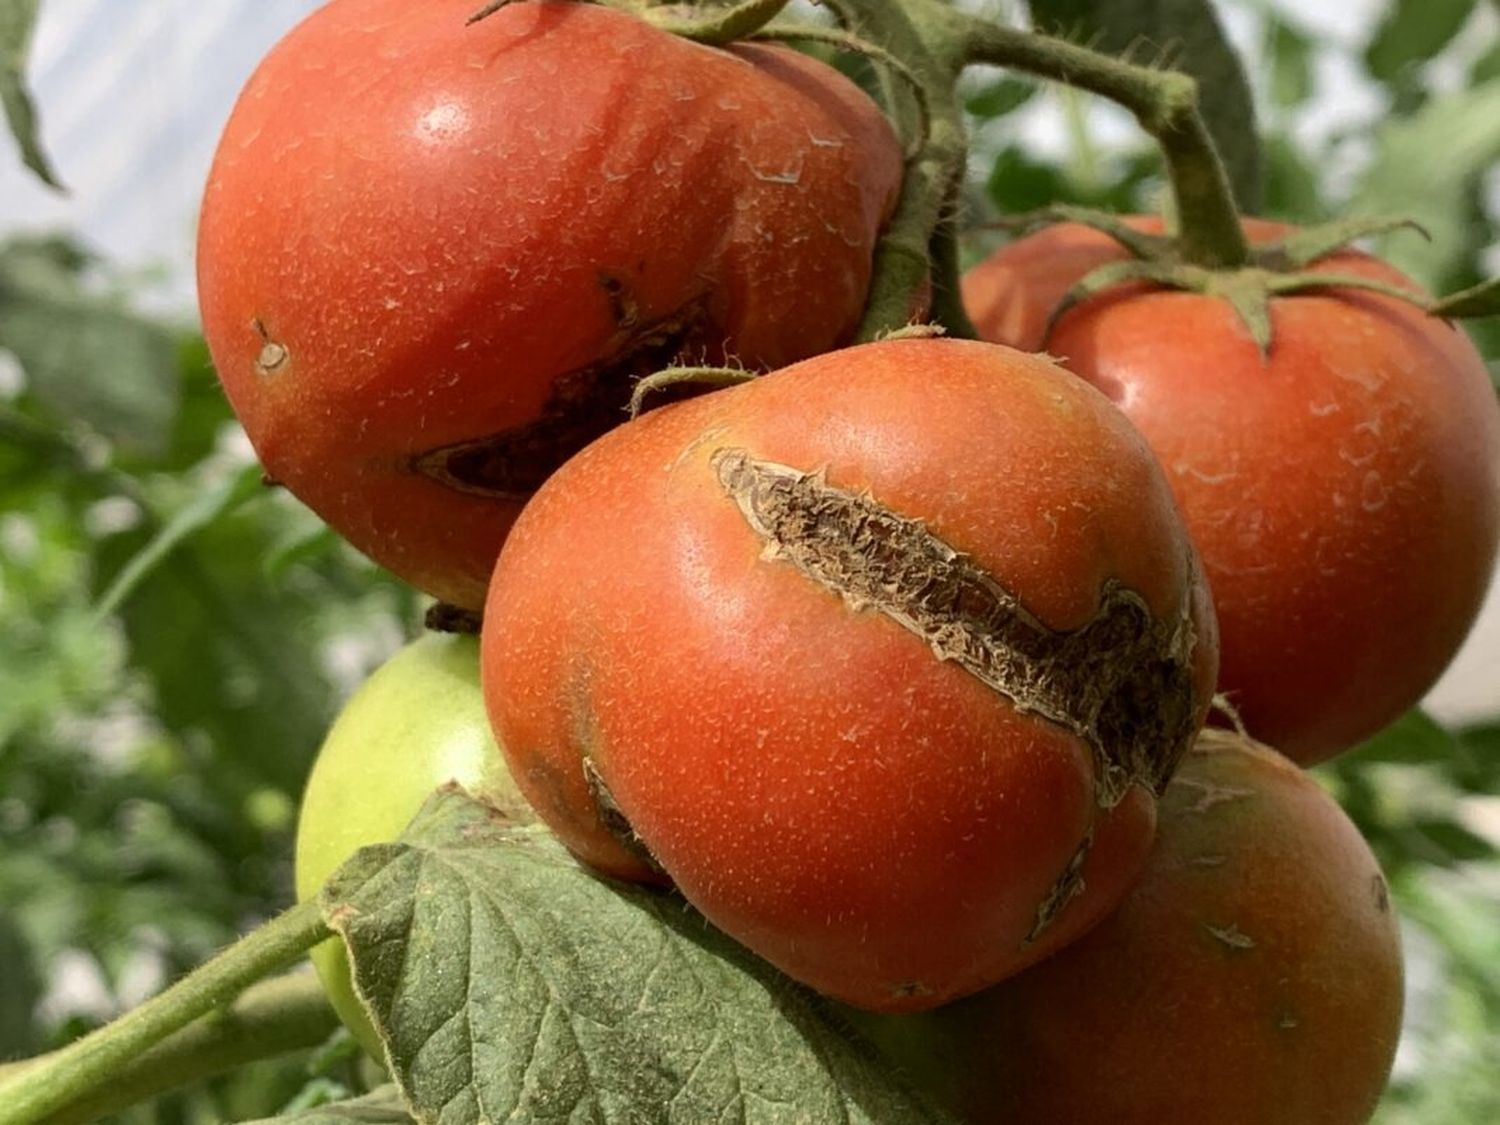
716 28
1275 269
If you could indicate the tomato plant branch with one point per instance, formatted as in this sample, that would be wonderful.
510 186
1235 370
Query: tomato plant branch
1166 105
82 1068
274 1017
918 32
947 291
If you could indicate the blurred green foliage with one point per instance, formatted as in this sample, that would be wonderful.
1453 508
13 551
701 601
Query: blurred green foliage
174 637
152 749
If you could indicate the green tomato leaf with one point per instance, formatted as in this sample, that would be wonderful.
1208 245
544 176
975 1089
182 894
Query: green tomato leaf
1486 67
86 357
1454 842
1481 742
23 991
1292 188
1291 64
1412 32
379 1107
232 660
1414 739
1426 168
509 983
1017 184
203 510
1188 32
17 18
997 98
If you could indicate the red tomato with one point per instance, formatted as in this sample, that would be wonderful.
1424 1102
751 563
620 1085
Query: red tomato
1343 491
879 658
1252 977
433 258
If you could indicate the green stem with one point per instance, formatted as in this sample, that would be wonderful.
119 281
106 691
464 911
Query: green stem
272 1018
919 33
947 284
1166 105
80 1069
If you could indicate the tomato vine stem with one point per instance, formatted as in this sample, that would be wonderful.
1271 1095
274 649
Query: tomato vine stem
1166 105
53 1082
916 32
274 1017
936 42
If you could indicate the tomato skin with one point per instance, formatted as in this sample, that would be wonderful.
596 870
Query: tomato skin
1344 493
418 235
874 820
416 724
1252 977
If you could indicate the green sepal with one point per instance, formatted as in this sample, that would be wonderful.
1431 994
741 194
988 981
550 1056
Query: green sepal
1140 244
720 27
1105 277
1291 283
488 10
1311 243
919 331
1250 296
675 376
1478 300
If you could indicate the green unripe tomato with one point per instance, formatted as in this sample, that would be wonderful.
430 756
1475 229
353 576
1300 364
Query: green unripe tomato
414 725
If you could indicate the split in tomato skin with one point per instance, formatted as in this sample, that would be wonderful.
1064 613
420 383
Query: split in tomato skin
1253 976
432 258
416 724
794 646
1343 490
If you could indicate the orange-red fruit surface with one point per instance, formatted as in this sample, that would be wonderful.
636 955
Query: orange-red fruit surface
1343 490
1252 977
878 658
432 257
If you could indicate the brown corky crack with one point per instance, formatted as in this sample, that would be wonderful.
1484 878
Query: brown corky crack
1122 683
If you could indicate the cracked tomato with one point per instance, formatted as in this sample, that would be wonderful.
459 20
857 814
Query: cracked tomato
432 258
881 658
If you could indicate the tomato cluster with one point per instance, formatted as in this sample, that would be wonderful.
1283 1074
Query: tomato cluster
885 660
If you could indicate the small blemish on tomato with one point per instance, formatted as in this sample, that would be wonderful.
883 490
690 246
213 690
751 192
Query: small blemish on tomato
1231 936
1382 894
273 354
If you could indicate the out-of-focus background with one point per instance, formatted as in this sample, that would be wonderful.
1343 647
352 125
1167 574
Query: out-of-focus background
158 714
